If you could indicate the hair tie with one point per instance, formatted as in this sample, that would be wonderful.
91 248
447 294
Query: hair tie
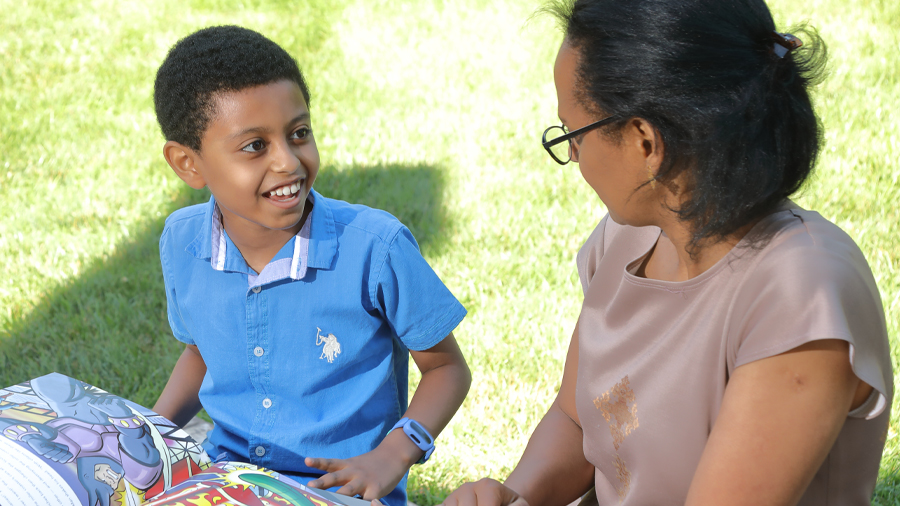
785 43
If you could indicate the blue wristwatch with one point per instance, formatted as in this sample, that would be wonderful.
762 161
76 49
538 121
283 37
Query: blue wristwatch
418 435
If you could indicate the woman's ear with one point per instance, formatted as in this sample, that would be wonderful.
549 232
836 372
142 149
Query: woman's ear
646 153
182 159
647 141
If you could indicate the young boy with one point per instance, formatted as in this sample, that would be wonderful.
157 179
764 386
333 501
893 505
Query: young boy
297 311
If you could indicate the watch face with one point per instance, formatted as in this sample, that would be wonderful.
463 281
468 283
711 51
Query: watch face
419 431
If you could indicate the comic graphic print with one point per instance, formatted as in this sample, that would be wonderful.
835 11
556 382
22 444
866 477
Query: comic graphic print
110 451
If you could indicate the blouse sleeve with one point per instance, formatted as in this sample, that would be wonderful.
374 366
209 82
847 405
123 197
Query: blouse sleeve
814 284
590 254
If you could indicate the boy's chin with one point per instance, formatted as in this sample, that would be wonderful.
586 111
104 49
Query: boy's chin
288 224
286 221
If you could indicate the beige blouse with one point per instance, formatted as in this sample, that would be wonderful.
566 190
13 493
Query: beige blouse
655 356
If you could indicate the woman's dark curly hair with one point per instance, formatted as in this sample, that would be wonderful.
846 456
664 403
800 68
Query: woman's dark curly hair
209 61
733 116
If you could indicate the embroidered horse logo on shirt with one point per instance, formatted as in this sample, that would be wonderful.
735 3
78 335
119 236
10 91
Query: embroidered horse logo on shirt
332 347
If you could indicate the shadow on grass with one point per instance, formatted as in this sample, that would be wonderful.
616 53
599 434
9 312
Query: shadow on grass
108 327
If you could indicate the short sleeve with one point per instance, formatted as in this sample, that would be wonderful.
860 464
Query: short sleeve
179 330
815 285
590 254
413 300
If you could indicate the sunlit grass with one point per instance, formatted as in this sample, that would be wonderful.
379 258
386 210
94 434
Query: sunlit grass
462 89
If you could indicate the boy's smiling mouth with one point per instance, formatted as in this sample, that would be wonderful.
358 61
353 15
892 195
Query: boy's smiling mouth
287 194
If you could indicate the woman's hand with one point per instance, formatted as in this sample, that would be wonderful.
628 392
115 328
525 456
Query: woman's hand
484 492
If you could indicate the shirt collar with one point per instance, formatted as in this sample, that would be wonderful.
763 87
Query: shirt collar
323 238
316 242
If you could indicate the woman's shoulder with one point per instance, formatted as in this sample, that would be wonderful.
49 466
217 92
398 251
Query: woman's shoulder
797 255
799 240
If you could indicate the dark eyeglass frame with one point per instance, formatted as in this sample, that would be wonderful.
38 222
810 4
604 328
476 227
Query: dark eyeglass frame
571 135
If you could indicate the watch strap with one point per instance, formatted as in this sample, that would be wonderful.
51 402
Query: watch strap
418 434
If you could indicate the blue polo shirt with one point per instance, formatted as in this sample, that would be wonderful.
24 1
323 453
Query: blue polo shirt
310 356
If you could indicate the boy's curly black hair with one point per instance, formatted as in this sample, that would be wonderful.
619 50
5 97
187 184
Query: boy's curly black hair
209 61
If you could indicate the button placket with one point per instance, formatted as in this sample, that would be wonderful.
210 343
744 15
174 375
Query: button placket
257 339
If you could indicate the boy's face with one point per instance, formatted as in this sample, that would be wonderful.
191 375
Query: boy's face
259 158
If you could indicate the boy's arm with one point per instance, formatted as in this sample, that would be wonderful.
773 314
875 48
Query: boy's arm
180 401
442 389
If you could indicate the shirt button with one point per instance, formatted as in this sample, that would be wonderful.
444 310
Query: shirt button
256 289
258 351
260 451
267 403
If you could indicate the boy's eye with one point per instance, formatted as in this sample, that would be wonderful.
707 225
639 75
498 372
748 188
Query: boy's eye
254 146
302 133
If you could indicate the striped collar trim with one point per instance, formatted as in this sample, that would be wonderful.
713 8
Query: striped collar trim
278 269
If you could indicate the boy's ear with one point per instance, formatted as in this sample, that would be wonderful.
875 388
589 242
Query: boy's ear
182 159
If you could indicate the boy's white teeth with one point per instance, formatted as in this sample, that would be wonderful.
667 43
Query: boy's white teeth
285 190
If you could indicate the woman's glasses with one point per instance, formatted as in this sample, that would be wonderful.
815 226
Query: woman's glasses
555 136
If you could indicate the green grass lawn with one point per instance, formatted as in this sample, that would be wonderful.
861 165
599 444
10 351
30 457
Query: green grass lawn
430 109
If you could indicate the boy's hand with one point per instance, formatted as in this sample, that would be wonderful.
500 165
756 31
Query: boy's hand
364 475
371 475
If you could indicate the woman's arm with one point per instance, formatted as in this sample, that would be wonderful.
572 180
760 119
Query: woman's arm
780 417
553 469
180 401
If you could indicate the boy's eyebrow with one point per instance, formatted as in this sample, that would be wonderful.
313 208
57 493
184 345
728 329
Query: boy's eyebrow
260 130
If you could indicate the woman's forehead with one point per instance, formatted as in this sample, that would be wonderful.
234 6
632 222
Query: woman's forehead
564 74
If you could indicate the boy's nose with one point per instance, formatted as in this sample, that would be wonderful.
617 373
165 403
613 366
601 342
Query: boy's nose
285 160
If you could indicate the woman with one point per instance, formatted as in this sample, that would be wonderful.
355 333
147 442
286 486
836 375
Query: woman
732 347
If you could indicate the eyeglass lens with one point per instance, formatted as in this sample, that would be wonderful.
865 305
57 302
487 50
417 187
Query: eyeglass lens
562 151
